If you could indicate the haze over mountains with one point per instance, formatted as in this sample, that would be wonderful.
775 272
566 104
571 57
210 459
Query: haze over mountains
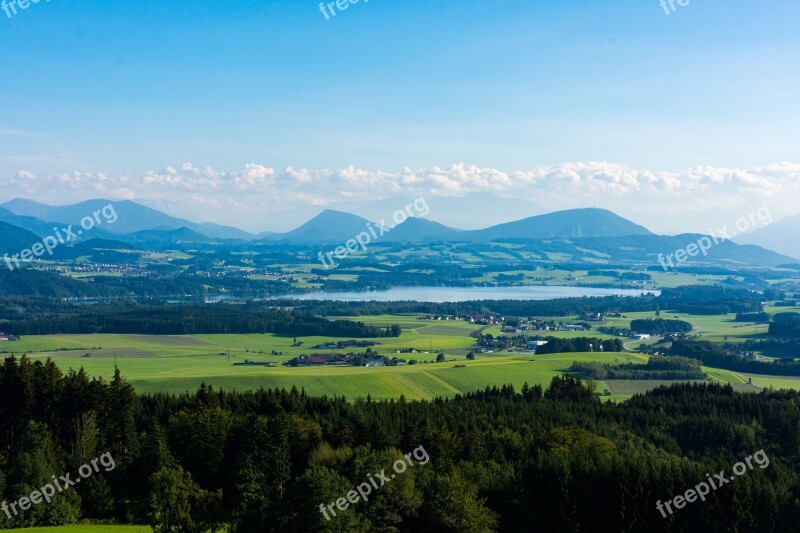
132 217
779 236
607 235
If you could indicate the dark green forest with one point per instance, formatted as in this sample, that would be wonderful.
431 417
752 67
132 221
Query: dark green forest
660 326
184 319
500 459
657 367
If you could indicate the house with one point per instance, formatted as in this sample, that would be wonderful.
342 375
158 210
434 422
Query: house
378 361
641 336
573 327
532 345
8 337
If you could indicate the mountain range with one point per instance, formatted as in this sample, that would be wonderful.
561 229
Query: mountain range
131 217
603 233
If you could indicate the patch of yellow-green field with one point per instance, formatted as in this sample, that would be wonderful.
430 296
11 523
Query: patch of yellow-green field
85 529
723 376
772 309
777 382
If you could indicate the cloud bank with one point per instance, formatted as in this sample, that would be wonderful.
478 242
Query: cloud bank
258 197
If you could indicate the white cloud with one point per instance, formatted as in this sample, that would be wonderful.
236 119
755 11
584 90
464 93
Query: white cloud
256 195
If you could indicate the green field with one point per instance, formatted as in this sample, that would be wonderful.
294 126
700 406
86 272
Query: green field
177 364
181 363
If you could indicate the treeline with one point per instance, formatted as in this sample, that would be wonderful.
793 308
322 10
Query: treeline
658 367
787 328
783 348
542 460
759 317
185 319
36 283
579 344
711 300
660 326
717 356
560 307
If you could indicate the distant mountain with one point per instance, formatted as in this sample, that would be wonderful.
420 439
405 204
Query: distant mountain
130 217
337 227
421 230
644 250
331 227
163 235
42 228
14 239
573 223
221 232
781 236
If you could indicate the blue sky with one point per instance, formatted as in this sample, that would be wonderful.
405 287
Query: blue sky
124 88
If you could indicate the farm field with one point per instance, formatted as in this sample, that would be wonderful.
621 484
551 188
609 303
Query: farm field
777 382
181 363
150 372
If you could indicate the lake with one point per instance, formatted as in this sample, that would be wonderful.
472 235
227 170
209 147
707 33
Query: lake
464 294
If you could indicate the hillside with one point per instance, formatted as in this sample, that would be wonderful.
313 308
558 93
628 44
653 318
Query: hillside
421 230
14 239
572 223
328 227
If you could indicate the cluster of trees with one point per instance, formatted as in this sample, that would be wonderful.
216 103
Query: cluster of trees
718 356
786 327
658 367
539 460
711 300
184 319
660 326
579 344
781 348
759 317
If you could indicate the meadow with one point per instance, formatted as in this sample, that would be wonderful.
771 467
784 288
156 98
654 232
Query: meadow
181 363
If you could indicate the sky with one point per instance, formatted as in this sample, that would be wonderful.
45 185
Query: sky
260 113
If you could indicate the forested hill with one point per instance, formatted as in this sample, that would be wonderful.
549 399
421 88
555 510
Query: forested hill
498 460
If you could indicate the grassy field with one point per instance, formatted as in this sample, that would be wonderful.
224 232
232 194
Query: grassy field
776 382
171 366
181 363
